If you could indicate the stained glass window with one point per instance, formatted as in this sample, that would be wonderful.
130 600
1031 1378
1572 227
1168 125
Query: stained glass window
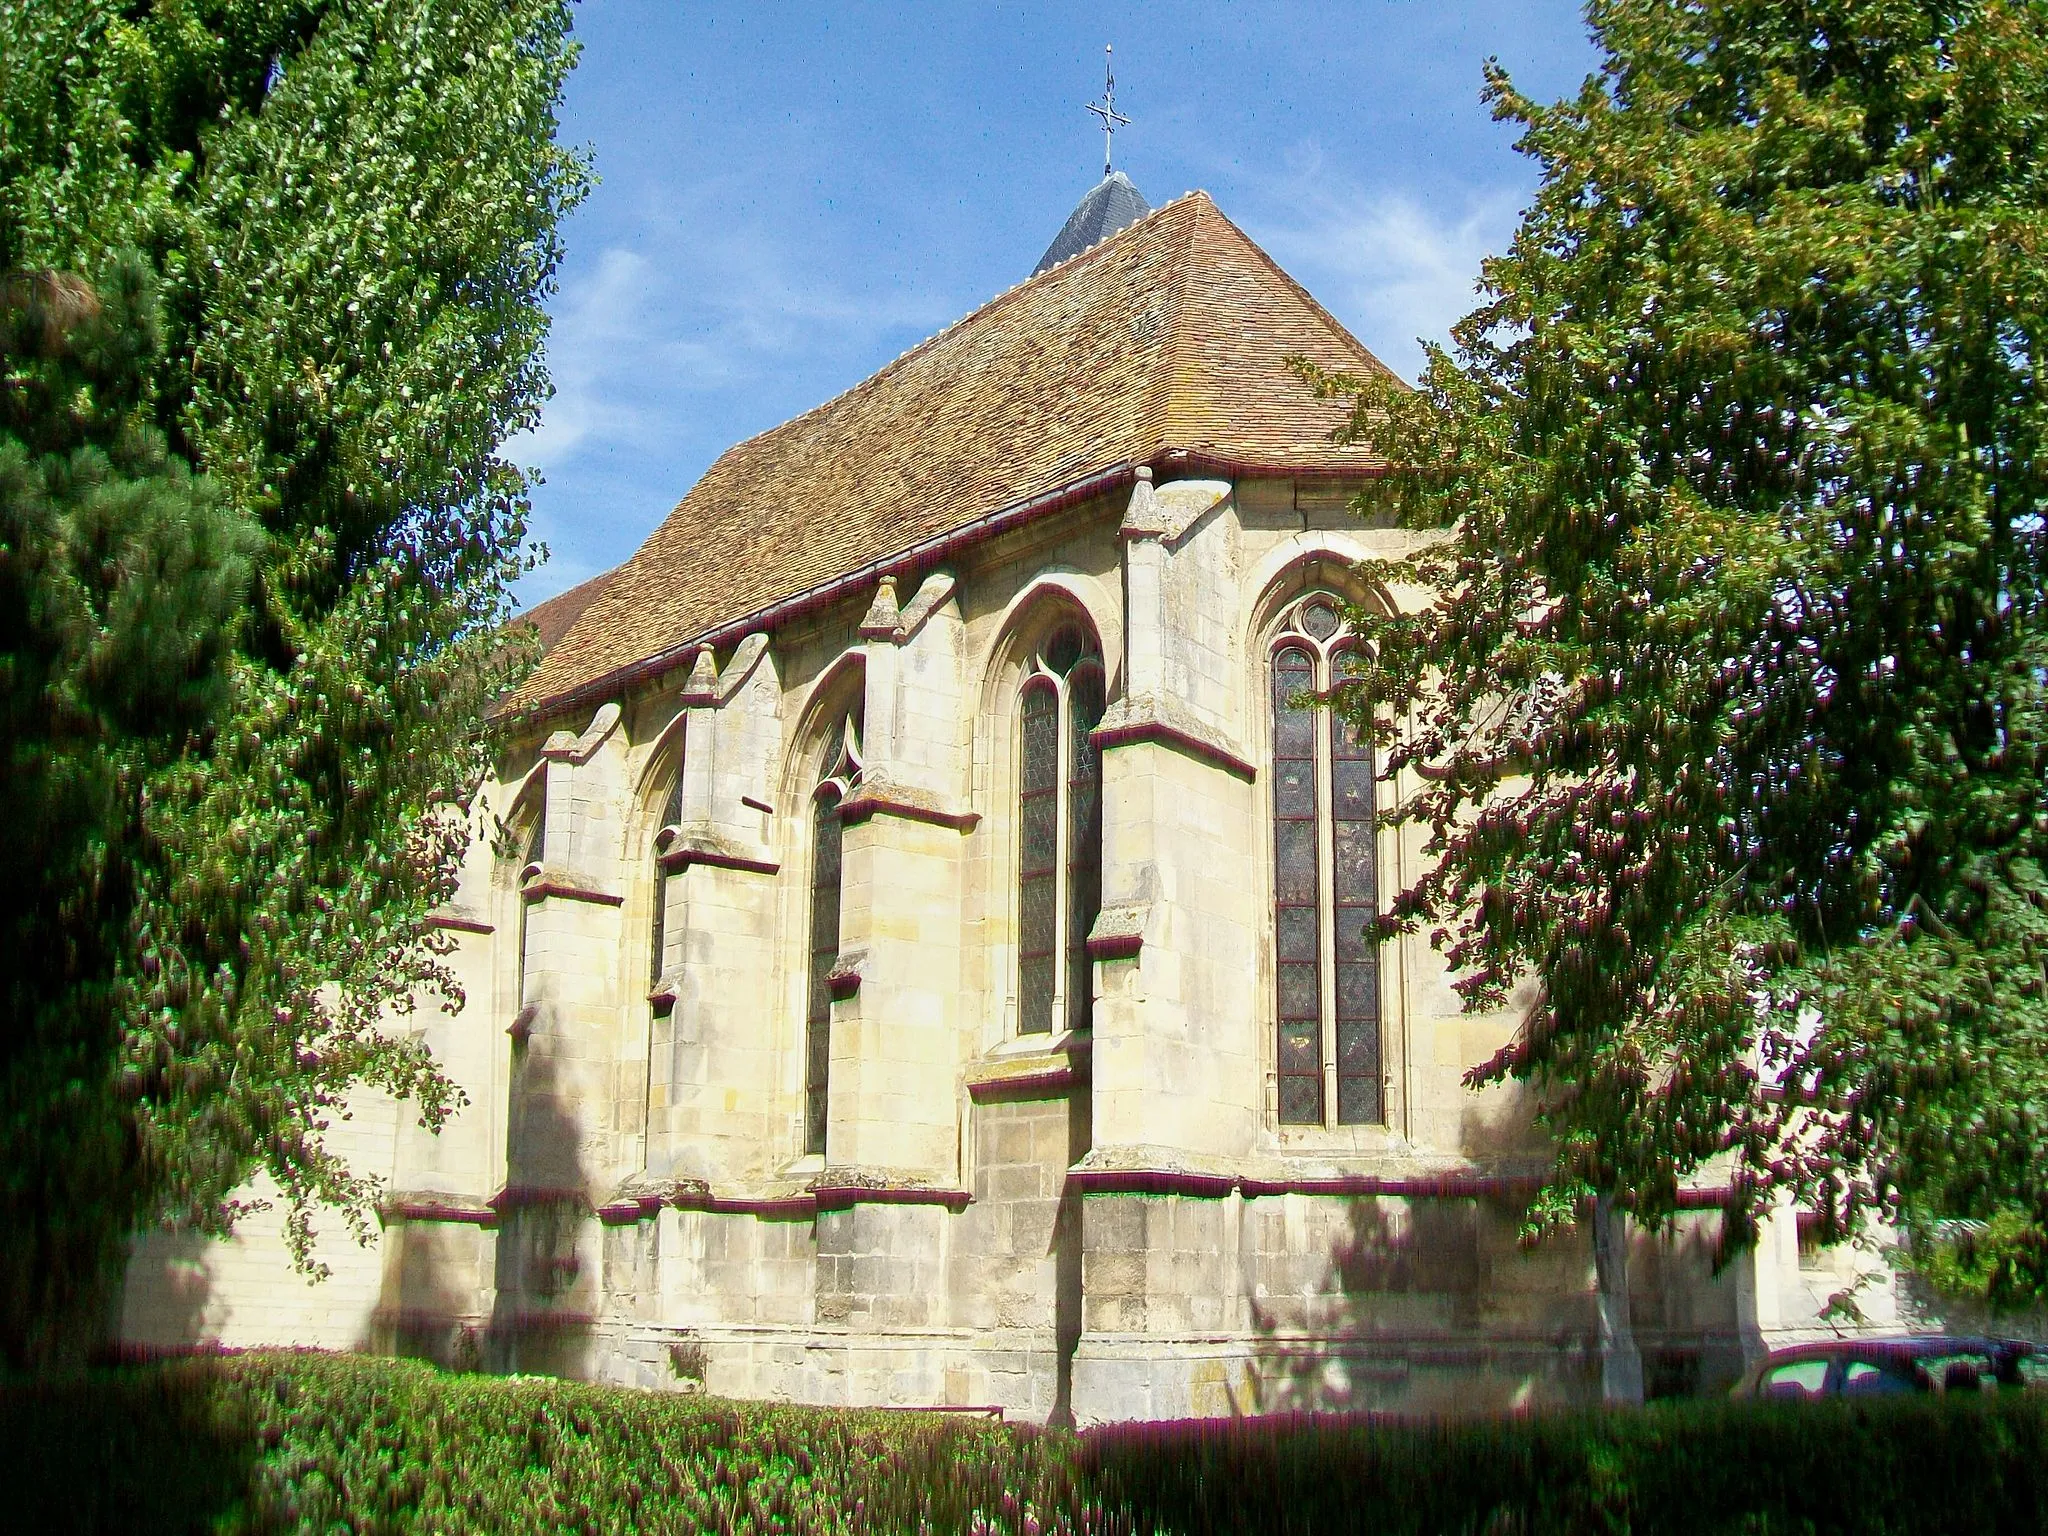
827 830
825 849
1059 832
1354 889
657 937
1038 805
1296 890
536 850
1319 618
671 813
1325 882
672 809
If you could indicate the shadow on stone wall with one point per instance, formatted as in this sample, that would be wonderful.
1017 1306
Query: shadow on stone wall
166 1293
1068 1252
1424 1305
1682 1313
430 1305
1436 1305
545 1278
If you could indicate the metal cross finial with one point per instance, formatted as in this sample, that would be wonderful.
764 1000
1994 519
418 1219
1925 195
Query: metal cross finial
1106 109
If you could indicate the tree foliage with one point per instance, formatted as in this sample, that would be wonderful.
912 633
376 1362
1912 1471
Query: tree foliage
274 271
1728 712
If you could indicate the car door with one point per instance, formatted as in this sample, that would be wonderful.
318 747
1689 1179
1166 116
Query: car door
1869 1378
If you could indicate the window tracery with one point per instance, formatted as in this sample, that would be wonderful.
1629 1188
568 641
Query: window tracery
841 777
1325 880
1059 831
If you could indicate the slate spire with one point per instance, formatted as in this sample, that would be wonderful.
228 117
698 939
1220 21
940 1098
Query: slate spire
1110 205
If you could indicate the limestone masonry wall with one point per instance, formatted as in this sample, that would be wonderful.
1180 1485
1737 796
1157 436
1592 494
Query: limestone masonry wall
1078 1226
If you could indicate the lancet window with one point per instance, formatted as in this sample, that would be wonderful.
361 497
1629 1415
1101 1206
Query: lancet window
657 939
841 777
1059 821
531 856
1325 881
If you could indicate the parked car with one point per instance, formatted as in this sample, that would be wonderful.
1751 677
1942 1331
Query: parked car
1931 1362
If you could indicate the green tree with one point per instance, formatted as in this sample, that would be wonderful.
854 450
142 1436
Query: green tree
1729 712
274 272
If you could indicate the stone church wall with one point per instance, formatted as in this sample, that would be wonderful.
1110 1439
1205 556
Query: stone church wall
242 1291
1097 1225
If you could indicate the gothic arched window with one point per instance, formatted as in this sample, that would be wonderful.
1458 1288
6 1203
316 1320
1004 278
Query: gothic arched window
657 939
1325 880
840 778
531 856
1059 832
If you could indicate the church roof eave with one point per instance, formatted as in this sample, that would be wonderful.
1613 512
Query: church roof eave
987 526
673 657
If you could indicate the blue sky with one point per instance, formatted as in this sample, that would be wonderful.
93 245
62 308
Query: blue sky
794 194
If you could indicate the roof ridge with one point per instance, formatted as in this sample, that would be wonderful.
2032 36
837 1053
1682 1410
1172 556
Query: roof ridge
1117 234
1314 304
1167 385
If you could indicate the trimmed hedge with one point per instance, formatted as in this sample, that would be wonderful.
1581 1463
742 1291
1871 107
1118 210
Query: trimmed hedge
309 1442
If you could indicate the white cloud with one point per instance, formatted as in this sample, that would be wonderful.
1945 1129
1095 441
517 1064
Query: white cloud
691 323
689 305
1391 266
591 328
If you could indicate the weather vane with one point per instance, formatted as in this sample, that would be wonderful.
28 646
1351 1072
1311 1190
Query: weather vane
1106 108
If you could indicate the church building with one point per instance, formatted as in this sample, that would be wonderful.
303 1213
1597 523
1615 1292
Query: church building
916 942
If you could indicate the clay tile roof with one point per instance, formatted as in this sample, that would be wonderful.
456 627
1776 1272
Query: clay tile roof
554 617
1170 335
